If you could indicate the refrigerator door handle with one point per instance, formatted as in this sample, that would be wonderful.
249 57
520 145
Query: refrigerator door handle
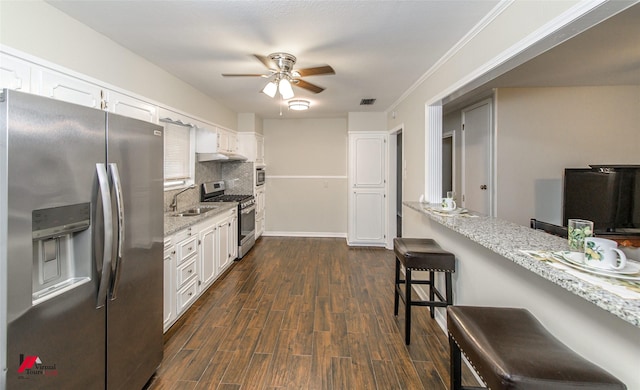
117 265
105 267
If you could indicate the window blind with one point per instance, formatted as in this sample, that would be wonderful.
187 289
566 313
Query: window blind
176 152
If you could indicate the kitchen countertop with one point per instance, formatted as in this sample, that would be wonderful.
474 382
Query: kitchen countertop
174 224
508 239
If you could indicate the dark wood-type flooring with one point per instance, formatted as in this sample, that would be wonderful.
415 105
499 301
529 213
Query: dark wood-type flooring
304 313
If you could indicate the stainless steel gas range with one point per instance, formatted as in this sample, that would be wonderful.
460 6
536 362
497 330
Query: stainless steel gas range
214 192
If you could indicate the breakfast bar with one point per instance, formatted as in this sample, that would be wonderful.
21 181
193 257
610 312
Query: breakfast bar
598 317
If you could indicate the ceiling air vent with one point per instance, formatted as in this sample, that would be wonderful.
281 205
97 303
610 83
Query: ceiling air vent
367 102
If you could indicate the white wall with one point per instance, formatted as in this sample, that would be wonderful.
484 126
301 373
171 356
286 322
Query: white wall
367 121
249 122
38 29
541 131
306 177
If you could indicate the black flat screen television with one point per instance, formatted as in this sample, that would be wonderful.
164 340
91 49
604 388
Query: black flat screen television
607 195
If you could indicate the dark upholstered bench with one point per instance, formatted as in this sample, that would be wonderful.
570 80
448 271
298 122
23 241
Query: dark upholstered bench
510 349
421 254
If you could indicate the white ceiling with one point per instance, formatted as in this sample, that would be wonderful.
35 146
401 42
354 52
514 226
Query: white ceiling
378 49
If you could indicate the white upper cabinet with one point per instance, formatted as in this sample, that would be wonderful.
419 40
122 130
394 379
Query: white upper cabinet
211 139
227 140
251 145
131 107
367 157
206 140
60 86
15 74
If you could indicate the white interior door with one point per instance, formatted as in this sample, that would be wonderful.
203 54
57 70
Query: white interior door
477 183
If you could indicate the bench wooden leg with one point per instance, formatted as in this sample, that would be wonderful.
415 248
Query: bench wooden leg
396 295
407 306
455 370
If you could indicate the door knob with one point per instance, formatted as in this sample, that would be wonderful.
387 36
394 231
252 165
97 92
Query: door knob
483 187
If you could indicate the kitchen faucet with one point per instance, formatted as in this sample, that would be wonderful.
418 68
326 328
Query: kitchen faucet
174 202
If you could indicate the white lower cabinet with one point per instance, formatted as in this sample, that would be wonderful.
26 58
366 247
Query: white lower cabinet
227 241
193 258
169 296
187 295
367 217
233 237
260 210
223 245
208 246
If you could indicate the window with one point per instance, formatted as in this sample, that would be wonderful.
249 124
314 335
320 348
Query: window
178 155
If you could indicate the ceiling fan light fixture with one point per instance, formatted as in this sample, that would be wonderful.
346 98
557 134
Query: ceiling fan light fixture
270 89
285 89
299 104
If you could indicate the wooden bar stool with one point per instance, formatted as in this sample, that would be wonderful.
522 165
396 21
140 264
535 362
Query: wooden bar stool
510 349
421 254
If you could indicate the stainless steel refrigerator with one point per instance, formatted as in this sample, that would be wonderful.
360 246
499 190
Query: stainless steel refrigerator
81 235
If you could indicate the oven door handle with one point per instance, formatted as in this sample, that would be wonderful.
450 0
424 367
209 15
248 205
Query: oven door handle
248 209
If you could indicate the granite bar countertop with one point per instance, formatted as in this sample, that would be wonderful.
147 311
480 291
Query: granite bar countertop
508 239
173 224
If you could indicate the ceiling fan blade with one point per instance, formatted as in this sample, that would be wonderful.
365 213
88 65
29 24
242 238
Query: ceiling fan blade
268 62
308 86
318 70
244 75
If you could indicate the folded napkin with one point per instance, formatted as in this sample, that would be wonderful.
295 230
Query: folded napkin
626 289
453 213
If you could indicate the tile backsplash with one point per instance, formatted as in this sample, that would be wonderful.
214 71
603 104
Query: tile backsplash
238 177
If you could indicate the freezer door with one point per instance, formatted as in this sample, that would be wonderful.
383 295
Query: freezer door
53 332
134 309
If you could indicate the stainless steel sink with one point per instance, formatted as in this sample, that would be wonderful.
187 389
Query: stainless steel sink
195 211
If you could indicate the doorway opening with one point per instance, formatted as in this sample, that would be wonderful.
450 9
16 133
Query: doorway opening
448 162
396 175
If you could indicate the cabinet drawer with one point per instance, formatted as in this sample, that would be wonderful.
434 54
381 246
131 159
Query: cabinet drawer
187 295
184 234
187 271
187 248
167 243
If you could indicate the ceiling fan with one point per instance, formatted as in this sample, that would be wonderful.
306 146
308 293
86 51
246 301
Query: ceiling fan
282 75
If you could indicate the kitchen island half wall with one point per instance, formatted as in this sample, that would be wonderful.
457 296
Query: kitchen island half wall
491 271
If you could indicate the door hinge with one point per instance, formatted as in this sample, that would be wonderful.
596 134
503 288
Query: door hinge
199 242
103 102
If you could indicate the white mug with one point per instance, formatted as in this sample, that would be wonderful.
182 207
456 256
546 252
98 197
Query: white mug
448 204
603 253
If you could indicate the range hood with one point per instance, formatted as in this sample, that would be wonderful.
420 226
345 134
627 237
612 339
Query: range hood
220 156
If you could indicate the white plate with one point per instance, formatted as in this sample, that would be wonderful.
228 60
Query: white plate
458 210
630 272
